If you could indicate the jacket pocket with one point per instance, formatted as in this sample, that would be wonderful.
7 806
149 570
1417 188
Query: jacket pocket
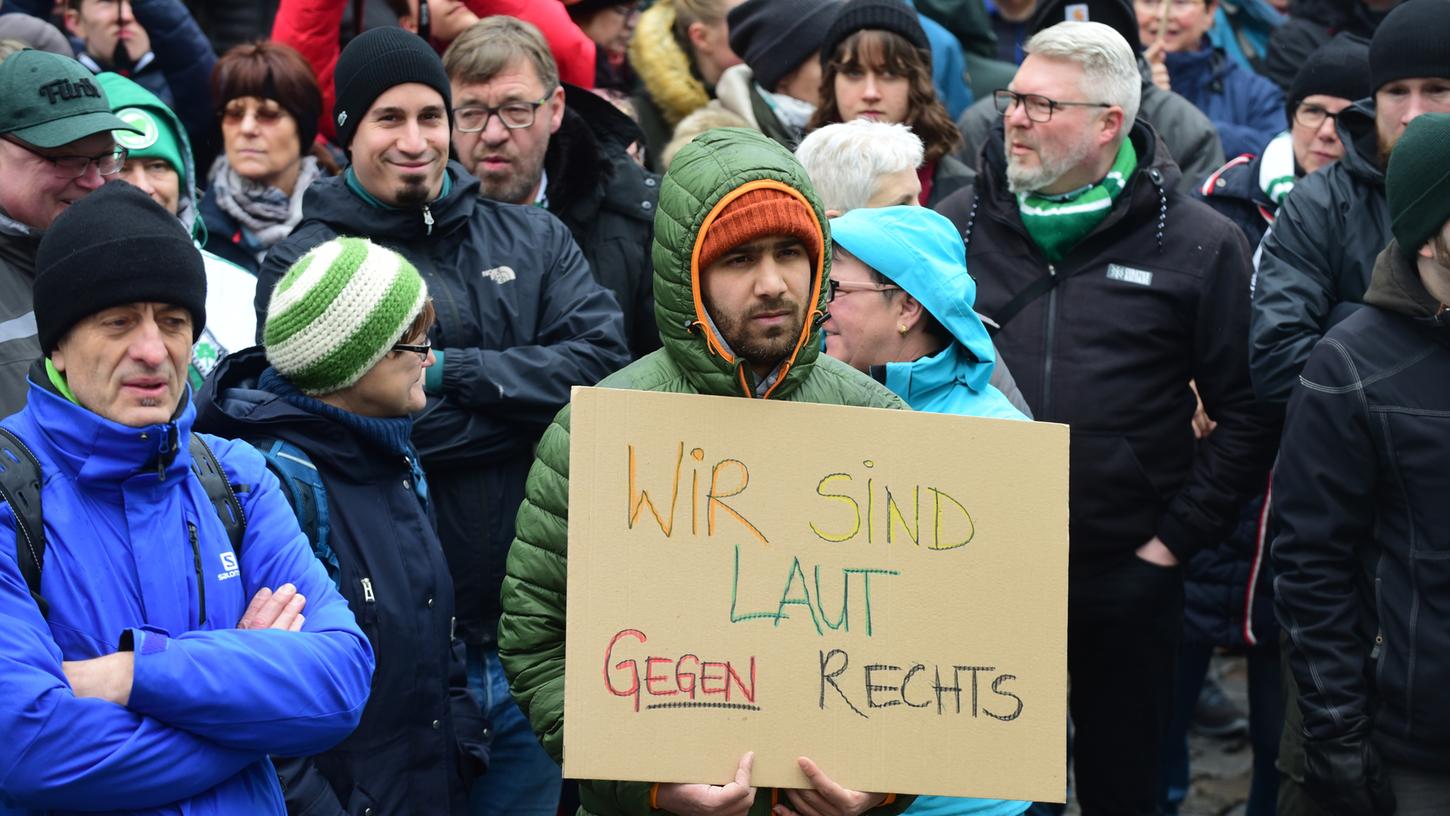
1113 506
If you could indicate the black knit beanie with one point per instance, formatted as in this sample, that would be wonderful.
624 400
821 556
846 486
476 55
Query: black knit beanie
1115 14
1339 68
379 59
1417 181
113 247
876 15
775 36
1413 41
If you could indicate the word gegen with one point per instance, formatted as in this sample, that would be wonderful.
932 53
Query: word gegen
694 683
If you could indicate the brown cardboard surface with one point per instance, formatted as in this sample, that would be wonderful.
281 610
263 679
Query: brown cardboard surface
732 588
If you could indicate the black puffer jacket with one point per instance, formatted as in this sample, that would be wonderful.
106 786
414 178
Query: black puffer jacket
520 322
1363 558
608 202
1315 262
1155 296
422 738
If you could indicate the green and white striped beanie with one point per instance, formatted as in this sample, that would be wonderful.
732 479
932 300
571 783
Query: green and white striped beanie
337 311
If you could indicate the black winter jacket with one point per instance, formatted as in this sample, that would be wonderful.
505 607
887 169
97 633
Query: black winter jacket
1315 262
422 737
520 322
1363 557
608 202
1155 296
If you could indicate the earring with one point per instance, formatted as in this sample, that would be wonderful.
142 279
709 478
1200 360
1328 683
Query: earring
901 329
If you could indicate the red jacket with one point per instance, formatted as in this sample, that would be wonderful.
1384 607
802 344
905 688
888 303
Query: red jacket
313 27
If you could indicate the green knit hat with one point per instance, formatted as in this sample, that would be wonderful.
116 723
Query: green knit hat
1417 182
337 311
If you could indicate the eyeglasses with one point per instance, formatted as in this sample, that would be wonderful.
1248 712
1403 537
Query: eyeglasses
1312 116
420 349
1176 5
236 111
514 115
1039 108
76 166
836 288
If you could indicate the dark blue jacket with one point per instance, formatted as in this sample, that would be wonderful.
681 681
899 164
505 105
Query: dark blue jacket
136 552
520 322
1246 109
421 739
1233 190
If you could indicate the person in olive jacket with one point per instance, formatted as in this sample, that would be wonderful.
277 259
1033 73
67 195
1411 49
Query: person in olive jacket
331 392
1363 585
766 249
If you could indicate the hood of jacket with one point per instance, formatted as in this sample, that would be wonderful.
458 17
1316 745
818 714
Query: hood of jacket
125 93
1207 67
1395 286
332 202
233 405
584 158
923 253
663 66
1356 128
707 175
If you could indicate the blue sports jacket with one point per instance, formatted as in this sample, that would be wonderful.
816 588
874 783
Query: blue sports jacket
922 253
1246 109
135 548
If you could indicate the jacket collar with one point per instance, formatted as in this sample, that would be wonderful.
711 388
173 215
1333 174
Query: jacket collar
1395 286
95 451
331 201
924 380
1356 128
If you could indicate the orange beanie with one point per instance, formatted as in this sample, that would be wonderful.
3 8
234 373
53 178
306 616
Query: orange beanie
757 214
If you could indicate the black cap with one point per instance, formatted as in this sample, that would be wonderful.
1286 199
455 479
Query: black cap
1412 41
1339 68
775 36
875 15
113 247
1115 14
379 59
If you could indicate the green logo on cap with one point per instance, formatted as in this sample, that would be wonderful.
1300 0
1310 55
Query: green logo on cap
142 121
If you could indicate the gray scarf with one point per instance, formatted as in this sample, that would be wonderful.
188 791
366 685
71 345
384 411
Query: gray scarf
266 212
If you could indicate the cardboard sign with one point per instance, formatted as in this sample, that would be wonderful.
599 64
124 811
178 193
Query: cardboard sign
884 592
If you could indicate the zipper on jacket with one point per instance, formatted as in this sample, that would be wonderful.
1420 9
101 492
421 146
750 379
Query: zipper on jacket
428 218
200 579
370 601
1051 330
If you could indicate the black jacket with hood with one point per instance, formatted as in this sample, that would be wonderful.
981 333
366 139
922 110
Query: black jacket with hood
520 321
1362 557
422 737
607 200
1155 296
1315 262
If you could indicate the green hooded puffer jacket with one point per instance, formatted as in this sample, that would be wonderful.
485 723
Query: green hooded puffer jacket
706 175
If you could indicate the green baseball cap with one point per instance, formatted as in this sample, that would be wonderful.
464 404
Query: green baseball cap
48 100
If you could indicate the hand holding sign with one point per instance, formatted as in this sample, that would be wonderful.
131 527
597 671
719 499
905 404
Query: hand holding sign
826 798
733 799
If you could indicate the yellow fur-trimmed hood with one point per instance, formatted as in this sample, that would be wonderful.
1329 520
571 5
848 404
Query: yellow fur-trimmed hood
664 68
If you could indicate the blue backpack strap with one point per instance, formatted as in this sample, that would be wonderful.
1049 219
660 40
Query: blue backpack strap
20 488
302 485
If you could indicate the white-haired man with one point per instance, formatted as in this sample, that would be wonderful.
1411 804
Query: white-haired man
1113 291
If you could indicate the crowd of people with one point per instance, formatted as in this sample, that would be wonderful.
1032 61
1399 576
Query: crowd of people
293 294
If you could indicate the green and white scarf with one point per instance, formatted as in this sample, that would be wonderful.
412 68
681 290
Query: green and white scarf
1057 223
1276 171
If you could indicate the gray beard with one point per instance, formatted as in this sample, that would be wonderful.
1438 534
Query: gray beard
1024 180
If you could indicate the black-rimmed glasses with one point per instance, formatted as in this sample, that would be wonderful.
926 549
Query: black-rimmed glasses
514 115
420 349
1039 108
1313 116
834 288
76 166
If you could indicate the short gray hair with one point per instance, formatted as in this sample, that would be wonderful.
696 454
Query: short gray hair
1108 63
845 160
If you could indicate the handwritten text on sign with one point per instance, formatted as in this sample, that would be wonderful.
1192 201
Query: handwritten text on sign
882 591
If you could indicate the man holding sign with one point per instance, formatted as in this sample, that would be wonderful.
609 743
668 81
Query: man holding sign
740 262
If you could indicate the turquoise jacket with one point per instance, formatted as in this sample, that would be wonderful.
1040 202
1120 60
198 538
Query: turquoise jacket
922 252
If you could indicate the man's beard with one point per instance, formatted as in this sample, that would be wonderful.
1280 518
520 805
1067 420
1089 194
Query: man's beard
1384 145
772 345
514 186
1050 168
414 192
